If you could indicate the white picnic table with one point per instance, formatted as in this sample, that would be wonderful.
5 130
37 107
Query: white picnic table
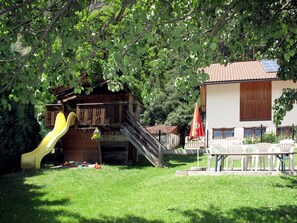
248 151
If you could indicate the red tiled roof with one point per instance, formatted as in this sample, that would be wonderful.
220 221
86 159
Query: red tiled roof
164 129
237 72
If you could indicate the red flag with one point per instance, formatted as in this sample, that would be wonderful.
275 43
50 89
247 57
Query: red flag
197 127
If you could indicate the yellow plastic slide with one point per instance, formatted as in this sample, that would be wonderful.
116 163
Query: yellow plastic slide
33 159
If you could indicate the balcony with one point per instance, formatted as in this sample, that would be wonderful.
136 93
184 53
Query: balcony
90 114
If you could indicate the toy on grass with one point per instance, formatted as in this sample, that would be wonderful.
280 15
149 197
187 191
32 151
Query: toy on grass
97 166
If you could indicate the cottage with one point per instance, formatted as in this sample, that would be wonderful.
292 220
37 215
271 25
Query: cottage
167 135
237 100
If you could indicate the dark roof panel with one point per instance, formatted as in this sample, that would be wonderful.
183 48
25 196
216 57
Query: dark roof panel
270 65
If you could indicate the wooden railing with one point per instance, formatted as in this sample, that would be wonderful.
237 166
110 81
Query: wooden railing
143 140
51 112
193 144
89 114
99 114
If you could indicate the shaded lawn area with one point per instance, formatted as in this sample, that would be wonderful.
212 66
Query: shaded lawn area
143 193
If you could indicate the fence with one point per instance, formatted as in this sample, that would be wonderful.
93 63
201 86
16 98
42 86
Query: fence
193 144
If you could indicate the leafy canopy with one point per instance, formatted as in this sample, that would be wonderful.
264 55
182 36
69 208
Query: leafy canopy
136 43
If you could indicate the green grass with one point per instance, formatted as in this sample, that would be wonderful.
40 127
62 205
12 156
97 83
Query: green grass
145 194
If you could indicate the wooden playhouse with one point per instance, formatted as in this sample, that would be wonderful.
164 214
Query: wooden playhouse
116 114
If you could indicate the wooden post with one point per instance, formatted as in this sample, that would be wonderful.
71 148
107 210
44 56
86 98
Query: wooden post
207 138
97 136
261 139
159 135
160 156
99 152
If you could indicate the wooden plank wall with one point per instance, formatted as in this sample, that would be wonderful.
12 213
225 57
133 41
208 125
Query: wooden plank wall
99 115
78 146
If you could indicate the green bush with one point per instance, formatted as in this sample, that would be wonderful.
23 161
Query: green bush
252 140
269 138
19 133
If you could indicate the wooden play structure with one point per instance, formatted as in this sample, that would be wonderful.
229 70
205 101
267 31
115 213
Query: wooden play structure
115 114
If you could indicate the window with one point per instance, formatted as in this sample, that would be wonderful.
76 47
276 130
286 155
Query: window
222 133
255 101
254 132
285 131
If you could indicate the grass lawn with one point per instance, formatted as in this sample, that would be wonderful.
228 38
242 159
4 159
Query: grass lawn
144 193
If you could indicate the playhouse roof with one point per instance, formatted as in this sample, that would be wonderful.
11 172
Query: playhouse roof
67 93
242 71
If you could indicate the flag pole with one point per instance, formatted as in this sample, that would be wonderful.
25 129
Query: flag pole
198 157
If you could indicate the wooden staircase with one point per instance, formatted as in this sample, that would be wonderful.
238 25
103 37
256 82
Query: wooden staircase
143 140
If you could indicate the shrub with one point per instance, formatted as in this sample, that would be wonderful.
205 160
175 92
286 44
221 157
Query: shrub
19 133
269 138
251 140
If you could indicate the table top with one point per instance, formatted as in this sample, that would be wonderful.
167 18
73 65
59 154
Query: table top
249 149
251 153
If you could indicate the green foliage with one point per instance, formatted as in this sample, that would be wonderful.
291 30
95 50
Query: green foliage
136 43
252 140
270 138
283 104
267 137
19 133
169 106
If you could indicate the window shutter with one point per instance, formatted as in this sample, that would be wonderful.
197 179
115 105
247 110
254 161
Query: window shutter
255 101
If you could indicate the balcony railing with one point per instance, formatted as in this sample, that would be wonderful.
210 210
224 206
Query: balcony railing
91 114
99 114
51 112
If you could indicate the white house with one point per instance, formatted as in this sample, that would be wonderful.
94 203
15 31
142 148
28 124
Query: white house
238 100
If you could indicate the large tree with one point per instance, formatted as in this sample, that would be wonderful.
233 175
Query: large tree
50 43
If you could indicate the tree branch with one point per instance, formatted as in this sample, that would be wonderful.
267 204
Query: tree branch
35 47
16 6
116 19
28 20
222 20
177 19
148 27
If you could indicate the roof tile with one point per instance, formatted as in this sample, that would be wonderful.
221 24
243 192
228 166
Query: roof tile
163 128
238 71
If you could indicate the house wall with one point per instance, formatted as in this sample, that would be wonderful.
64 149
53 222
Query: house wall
277 86
223 107
78 146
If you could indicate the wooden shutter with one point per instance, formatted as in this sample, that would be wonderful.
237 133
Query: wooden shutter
203 97
255 101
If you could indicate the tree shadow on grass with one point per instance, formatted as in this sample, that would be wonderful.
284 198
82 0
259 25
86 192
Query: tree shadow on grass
180 160
170 161
283 213
23 202
290 182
